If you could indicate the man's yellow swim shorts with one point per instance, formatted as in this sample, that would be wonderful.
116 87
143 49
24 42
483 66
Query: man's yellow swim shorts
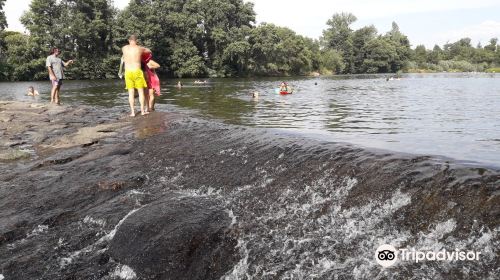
135 79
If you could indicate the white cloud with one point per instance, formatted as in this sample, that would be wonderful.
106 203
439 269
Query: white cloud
367 9
13 11
280 10
484 30
309 17
481 32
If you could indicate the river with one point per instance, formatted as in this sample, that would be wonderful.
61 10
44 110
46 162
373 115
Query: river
454 115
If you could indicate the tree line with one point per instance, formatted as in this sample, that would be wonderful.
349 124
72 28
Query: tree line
214 38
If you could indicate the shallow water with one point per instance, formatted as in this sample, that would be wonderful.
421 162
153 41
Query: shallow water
452 115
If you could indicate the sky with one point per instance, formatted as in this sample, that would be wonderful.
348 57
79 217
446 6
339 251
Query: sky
426 22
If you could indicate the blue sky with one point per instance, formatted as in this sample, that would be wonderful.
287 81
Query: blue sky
424 21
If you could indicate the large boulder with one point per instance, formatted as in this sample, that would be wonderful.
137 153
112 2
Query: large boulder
176 238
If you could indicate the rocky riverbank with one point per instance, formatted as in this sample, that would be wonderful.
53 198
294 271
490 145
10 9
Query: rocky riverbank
87 193
73 177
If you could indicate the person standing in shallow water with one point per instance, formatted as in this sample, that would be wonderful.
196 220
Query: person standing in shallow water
134 76
152 80
55 66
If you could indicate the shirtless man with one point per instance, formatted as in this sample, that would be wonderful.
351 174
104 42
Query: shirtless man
134 77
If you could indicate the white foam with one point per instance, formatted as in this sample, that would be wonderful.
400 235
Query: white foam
176 177
135 192
63 262
239 271
106 238
91 221
313 222
202 191
326 263
442 228
233 218
136 195
234 153
111 234
2 277
226 151
124 272
316 235
38 230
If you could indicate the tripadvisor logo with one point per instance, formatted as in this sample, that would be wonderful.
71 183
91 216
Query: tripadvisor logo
387 255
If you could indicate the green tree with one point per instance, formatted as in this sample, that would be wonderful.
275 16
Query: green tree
332 61
87 26
338 36
3 20
381 53
360 39
236 56
220 18
279 51
42 20
82 29
420 55
185 60
23 59
492 46
208 25
402 46
435 55
483 56
3 25
491 53
460 50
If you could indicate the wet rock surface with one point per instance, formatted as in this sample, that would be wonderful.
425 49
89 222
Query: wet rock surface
61 207
174 197
176 238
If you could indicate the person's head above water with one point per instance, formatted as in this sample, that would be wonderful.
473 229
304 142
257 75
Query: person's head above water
31 89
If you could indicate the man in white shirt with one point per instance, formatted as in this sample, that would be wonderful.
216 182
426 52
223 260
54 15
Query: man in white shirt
55 66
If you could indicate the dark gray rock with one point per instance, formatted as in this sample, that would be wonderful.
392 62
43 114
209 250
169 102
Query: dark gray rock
176 238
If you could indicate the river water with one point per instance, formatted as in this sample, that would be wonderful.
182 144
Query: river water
450 115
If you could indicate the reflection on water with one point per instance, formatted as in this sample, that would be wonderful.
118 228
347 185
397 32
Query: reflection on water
455 115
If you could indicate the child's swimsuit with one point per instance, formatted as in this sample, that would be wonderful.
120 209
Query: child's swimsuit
152 79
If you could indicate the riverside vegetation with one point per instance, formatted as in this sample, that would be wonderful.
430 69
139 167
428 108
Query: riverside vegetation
215 38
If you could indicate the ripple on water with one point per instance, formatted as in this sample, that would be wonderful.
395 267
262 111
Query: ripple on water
426 114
